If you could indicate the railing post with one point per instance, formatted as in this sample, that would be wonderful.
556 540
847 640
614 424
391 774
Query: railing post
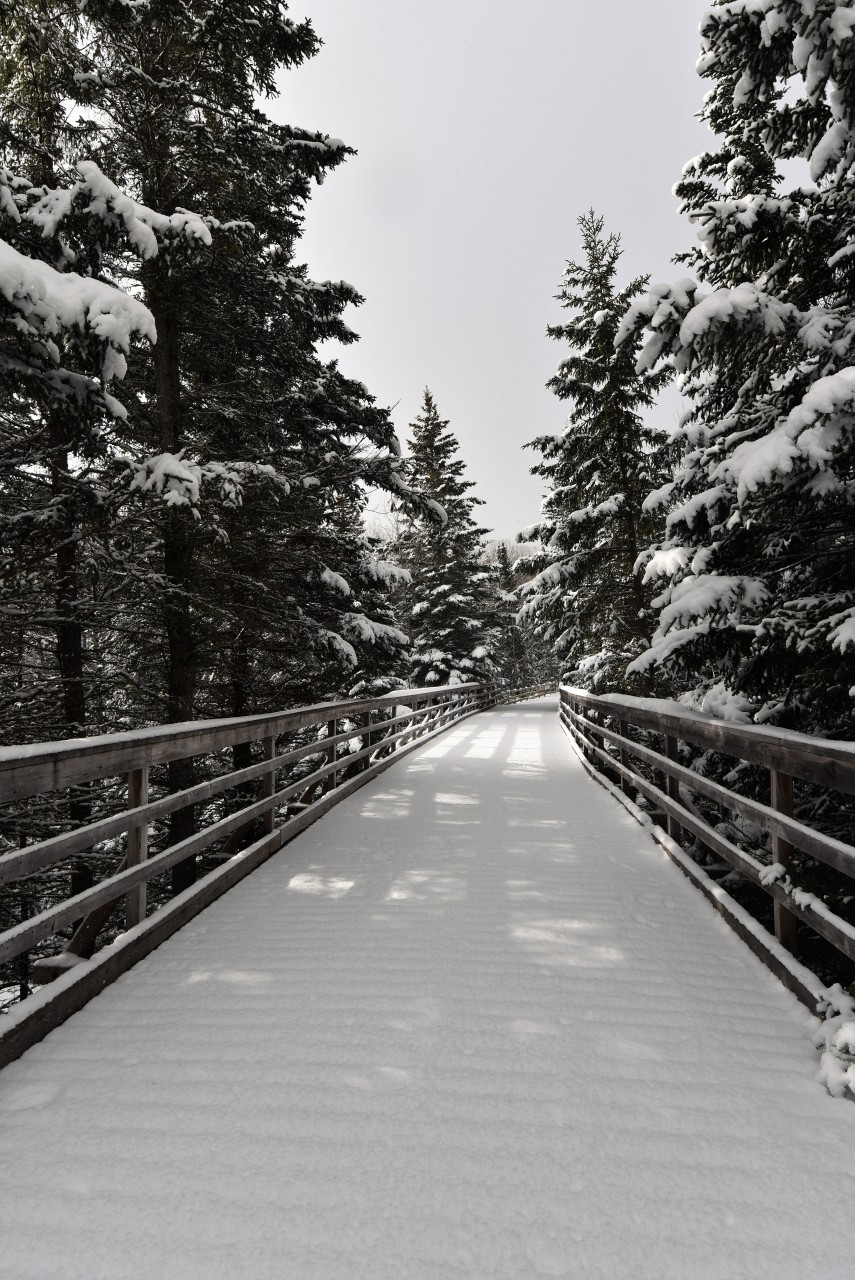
268 782
590 715
786 924
366 740
625 784
135 900
332 726
672 787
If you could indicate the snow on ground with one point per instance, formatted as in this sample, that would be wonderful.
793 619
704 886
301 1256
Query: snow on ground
472 1024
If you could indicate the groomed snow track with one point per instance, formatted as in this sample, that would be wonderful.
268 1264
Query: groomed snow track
473 1024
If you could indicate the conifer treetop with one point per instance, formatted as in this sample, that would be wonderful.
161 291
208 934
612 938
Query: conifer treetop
583 596
451 595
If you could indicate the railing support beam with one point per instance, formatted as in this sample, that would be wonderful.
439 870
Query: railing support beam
786 924
268 784
625 784
672 786
332 729
137 846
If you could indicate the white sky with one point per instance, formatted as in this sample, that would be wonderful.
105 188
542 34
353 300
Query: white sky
484 129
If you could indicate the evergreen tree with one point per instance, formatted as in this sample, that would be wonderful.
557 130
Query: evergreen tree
758 607
65 334
172 86
450 599
512 658
522 657
586 597
206 512
234 415
63 339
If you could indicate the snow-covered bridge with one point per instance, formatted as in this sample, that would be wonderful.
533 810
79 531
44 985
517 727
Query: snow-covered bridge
472 1023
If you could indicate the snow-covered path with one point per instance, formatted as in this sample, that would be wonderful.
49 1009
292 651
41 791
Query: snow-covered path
472 1024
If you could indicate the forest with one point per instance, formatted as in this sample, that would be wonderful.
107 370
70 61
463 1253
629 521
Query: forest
185 476
427 804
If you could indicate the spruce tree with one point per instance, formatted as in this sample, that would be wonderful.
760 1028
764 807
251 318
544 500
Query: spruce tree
219 489
66 331
757 572
252 440
522 656
585 596
63 341
513 662
172 89
450 600
197 549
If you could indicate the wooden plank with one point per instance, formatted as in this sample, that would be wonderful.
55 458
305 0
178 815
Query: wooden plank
268 783
786 924
672 785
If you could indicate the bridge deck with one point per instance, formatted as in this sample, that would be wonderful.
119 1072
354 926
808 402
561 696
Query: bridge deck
471 1024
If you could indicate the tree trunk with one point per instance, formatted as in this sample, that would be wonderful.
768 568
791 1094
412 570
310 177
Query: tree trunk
178 558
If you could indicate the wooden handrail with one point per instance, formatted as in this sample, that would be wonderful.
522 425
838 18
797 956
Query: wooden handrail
48 766
353 741
822 761
46 853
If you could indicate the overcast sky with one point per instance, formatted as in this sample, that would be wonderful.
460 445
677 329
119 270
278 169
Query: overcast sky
484 129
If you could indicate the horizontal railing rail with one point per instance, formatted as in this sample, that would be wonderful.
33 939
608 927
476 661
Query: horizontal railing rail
307 760
597 722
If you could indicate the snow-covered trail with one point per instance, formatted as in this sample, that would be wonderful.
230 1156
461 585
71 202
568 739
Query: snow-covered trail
472 1024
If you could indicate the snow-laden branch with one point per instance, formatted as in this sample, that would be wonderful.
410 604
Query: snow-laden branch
94 194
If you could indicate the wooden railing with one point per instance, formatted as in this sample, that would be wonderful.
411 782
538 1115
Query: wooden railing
302 763
504 695
598 723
